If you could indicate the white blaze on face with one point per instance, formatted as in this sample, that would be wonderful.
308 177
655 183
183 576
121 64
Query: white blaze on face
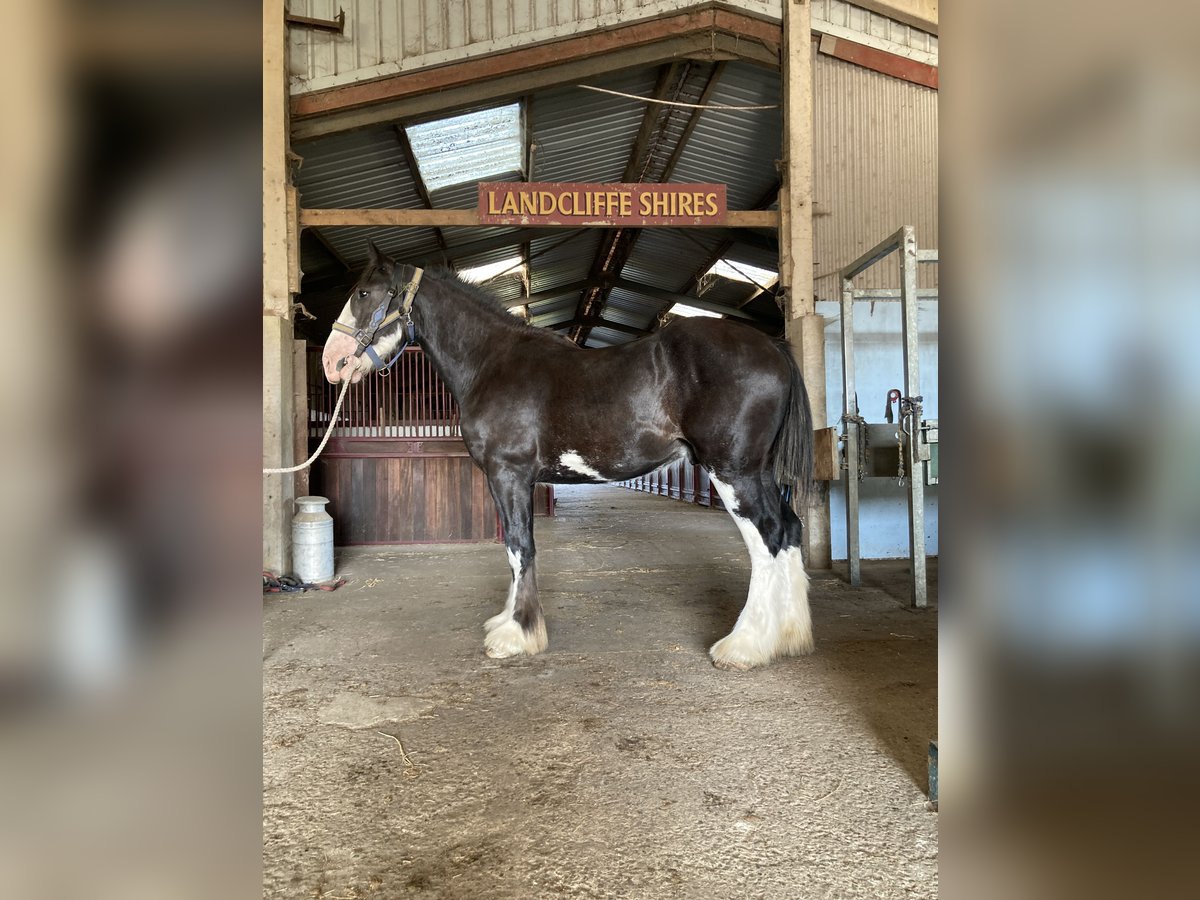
572 461
776 620
339 346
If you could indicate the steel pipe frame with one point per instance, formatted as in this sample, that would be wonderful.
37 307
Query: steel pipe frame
903 241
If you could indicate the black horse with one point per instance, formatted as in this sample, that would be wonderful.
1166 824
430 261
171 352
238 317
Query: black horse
537 408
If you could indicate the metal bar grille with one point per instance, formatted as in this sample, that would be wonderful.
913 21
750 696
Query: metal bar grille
410 402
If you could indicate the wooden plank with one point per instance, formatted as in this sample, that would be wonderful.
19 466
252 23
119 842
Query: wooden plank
803 327
386 474
416 500
403 519
876 60
277 298
277 439
460 218
346 502
371 508
825 455
294 272
404 500
436 484
359 521
468 498
392 510
300 413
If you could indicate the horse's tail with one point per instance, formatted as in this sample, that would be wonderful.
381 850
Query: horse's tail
792 451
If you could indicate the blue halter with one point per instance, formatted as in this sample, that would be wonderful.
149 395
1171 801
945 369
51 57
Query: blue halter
381 318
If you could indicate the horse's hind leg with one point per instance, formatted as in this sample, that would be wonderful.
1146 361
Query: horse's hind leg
519 628
775 620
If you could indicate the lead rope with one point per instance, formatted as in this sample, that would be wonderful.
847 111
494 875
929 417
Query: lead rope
328 433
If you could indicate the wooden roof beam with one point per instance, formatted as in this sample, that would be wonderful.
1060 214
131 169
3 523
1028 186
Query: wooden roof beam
469 218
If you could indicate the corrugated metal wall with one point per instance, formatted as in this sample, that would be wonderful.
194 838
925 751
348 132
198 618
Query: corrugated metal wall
384 37
875 168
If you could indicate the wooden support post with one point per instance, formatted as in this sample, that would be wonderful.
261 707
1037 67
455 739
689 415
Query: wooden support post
280 271
804 328
300 415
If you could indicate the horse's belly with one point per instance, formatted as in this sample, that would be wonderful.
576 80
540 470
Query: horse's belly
575 467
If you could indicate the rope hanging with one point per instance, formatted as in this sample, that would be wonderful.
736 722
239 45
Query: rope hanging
328 432
589 87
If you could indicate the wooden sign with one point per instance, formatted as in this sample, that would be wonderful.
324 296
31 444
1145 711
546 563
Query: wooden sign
546 203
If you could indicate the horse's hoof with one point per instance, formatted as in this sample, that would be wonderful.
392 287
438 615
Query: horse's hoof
510 639
727 666
737 653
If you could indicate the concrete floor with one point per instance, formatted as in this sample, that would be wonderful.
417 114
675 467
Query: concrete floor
399 761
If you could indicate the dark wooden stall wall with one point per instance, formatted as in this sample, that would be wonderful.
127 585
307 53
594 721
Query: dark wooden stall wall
680 480
396 470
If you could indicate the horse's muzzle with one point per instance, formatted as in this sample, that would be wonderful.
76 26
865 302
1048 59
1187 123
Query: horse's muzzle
338 355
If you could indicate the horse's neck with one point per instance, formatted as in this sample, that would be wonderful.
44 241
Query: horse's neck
457 336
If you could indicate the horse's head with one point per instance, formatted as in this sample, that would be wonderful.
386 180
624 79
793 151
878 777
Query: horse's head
372 325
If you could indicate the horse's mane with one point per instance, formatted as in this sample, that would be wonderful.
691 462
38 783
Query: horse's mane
488 303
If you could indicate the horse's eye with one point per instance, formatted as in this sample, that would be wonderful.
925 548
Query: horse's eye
362 293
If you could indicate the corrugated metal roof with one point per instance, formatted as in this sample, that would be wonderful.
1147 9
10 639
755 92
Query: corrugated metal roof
626 308
583 135
876 157
552 312
360 169
562 259
467 148
737 147
666 259
606 337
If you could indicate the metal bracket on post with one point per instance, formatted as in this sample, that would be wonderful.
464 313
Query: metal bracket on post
336 25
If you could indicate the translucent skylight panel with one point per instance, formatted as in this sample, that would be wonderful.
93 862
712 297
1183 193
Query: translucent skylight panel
514 265
469 147
744 272
682 309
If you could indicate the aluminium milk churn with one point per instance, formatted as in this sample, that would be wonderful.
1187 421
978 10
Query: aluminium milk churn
312 540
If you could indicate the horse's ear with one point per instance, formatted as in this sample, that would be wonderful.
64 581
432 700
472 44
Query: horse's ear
375 256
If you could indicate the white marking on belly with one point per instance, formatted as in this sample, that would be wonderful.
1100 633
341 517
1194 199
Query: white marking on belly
576 463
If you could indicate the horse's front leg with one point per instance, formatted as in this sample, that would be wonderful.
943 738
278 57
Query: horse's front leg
519 629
